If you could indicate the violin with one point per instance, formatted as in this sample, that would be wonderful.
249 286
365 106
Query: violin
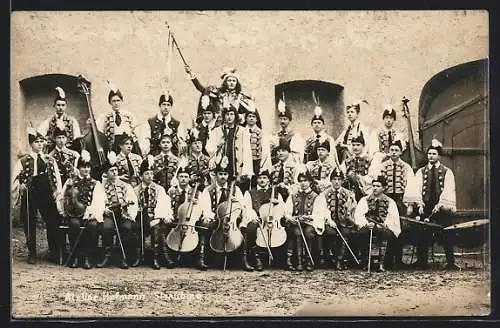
227 236
273 233
184 237
412 155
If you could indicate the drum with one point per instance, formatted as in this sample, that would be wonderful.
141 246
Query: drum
469 234
412 230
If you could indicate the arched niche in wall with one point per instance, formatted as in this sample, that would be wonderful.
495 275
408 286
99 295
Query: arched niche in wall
298 97
39 93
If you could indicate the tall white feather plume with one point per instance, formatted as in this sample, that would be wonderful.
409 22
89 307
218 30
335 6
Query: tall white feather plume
195 132
317 111
151 160
85 156
281 106
205 101
31 130
112 157
436 143
112 87
224 162
61 92
389 107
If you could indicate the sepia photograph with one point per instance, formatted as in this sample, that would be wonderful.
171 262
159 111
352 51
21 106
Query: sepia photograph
249 163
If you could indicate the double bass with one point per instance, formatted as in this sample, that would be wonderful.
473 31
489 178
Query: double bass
184 237
412 155
227 237
273 234
94 141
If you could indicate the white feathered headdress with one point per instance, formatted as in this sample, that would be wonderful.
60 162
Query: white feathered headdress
205 101
111 86
60 93
112 157
85 156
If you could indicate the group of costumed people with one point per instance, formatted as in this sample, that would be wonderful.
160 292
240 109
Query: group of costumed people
224 186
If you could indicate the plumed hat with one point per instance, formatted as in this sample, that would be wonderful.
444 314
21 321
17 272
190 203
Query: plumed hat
381 179
34 135
283 110
435 144
397 143
113 91
223 165
336 173
356 105
323 143
358 139
303 172
389 111
229 72
83 160
111 162
283 144
166 97
60 94
146 164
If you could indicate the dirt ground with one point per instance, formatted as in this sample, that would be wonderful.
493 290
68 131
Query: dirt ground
51 291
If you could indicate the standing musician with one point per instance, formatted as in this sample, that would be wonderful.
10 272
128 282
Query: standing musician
66 158
284 171
336 205
318 136
159 125
401 188
353 129
436 202
118 123
165 163
298 210
208 121
156 213
81 202
59 120
36 178
358 169
128 163
210 199
120 206
232 141
293 138
379 213
254 199
321 168
197 162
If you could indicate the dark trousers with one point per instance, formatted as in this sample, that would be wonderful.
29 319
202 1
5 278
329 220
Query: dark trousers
381 237
394 254
39 197
126 229
88 239
427 239
332 240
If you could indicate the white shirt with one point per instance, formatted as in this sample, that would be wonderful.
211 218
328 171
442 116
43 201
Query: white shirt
163 209
448 197
18 168
392 220
96 207
43 128
144 132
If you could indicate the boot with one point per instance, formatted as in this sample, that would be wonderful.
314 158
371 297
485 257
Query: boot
258 262
321 251
124 264
289 254
166 254
299 254
381 255
32 255
74 263
245 264
309 264
138 257
201 262
107 258
86 263
156 264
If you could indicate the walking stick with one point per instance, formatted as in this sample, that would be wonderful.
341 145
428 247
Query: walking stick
142 236
370 250
305 243
73 249
347 245
267 242
119 236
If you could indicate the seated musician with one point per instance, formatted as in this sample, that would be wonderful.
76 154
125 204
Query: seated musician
336 205
210 199
319 136
82 202
436 202
66 159
155 210
379 213
284 171
298 209
401 188
165 163
358 169
128 163
321 168
197 162
120 205
254 199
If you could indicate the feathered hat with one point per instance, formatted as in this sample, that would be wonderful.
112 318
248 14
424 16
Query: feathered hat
359 139
113 91
60 95
124 138
336 173
435 144
356 105
83 160
33 134
60 129
111 162
284 145
380 178
147 164
166 97
323 143
265 172
194 135
317 110
223 165
389 111
206 104
283 110
397 143
303 172
229 72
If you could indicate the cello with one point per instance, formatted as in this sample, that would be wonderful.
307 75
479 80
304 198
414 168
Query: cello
184 237
94 141
273 234
412 155
227 236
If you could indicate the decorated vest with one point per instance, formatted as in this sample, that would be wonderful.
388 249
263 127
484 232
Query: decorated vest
288 173
351 132
310 153
198 165
175 196
115 193
164 168
426 185
121 162
150 205
212 191
395 173
109 125
85 189
156 128
65 159
320 170
344 195
256 142
28 165
68 128
303 203
377 208
358 165
260 197
383 139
